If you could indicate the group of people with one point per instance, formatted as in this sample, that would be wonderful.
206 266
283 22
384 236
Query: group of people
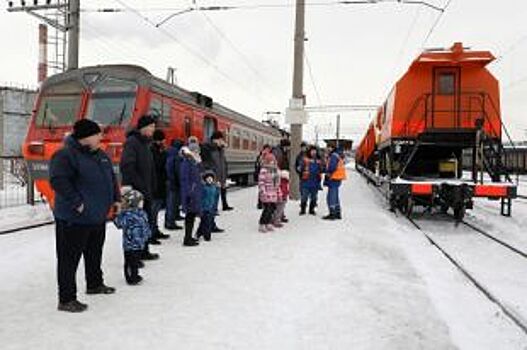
313 169
187 177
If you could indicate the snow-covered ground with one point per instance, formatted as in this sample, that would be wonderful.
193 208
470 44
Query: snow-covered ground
370 281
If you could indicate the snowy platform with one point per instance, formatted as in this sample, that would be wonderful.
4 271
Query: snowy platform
367 282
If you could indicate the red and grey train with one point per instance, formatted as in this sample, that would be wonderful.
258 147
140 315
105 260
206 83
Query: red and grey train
115 96
445 108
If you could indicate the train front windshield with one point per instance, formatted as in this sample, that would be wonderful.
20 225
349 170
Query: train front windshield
59 106
112 102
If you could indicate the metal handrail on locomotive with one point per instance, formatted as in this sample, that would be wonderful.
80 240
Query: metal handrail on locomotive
116 96
445 107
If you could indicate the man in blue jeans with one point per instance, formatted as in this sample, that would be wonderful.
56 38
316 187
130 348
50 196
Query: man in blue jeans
335 173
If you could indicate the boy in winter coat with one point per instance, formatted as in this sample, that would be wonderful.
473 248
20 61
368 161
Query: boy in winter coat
268 186
132 219
282 196
311 174
208 205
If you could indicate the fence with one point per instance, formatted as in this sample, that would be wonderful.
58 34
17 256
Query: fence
16 188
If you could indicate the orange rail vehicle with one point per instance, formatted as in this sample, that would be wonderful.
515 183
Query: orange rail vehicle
445 107
115 96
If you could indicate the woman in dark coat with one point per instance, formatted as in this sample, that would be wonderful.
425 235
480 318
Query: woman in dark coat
191 187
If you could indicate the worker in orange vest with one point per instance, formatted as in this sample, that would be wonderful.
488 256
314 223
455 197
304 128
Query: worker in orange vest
335 173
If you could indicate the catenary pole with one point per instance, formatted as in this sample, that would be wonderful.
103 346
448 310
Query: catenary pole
295 114
73 34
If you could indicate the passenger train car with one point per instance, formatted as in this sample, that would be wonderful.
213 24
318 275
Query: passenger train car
445 104
115 96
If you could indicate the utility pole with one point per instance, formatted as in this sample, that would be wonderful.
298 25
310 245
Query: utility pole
338 131
295 114
73 34
64 17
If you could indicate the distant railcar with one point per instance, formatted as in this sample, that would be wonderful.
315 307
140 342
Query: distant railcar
115 96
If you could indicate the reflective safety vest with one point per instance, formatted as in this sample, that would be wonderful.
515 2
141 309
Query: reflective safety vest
340 173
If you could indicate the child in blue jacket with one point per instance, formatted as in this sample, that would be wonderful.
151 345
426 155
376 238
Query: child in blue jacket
208 205
132 219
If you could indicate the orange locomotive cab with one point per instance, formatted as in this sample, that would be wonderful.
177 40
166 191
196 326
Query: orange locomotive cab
443 111
443 100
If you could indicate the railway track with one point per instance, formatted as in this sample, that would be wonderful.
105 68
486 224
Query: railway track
473 277
27 227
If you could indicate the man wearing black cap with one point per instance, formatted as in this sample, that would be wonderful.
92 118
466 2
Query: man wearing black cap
82 176
137 169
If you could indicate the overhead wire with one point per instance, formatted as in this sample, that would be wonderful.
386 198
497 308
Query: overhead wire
264 6
244 57
510 49
312 78
434 26
189 49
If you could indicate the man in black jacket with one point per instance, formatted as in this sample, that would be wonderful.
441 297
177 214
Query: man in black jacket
85 189
137 168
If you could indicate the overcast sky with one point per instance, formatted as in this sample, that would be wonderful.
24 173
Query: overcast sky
243 58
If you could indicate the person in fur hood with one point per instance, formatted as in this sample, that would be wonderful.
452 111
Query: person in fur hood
191 187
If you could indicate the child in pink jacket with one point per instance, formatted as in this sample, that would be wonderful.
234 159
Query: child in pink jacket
268 186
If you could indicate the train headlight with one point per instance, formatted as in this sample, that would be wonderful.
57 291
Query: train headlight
36 148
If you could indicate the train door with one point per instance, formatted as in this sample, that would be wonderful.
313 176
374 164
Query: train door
209 126
187 126
446 93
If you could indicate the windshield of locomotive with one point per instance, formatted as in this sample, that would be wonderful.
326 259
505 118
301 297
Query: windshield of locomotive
112 101
59 105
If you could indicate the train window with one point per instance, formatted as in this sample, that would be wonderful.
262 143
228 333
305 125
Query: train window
245 140
59 105
188 127
112 102
58 111
209 126
164 121
254 143
235 139
446 83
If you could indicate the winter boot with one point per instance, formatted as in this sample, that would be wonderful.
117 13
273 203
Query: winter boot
173 226
146 255
330 216
312 207
338 214
160 235
269 228
72 306
303 208
189 241
131 268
